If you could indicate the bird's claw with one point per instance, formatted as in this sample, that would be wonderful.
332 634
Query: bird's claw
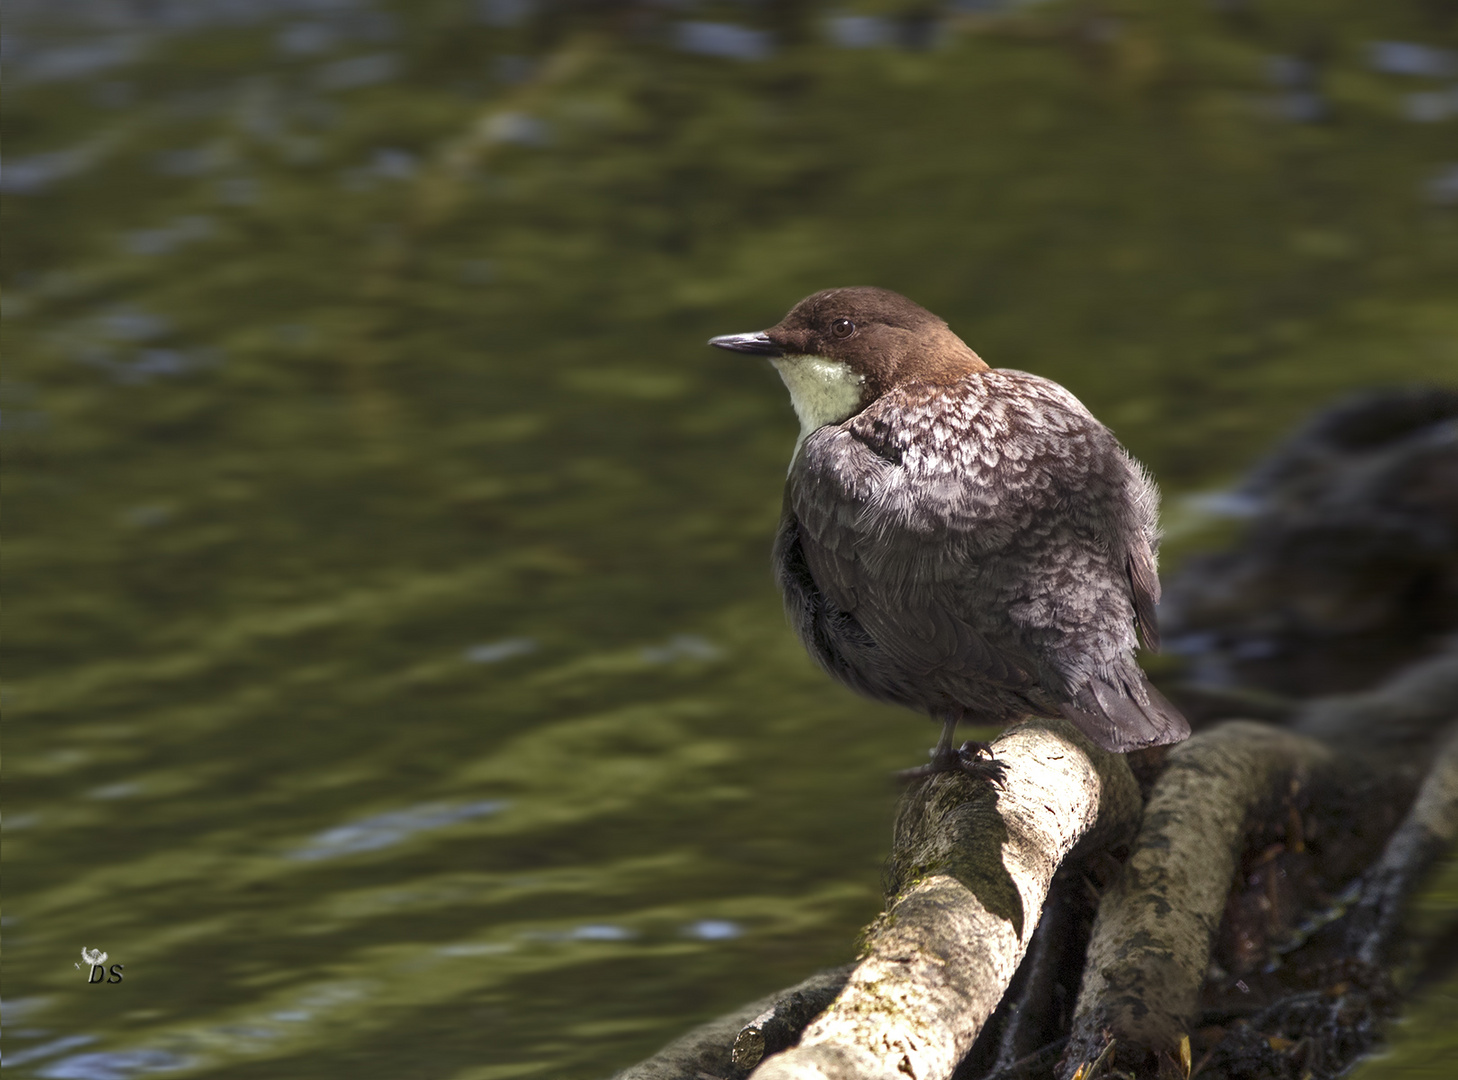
973 758
977 759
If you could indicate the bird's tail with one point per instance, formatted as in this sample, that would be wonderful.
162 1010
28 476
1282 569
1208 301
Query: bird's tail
1122 718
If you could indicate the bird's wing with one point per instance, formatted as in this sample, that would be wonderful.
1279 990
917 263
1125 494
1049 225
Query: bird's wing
1141 558
978 529
1144 587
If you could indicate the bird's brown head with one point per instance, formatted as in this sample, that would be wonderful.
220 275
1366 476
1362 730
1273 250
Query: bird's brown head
840 349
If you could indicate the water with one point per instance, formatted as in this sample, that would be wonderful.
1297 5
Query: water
395 681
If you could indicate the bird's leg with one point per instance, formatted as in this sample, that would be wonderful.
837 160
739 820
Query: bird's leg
944 755
971 757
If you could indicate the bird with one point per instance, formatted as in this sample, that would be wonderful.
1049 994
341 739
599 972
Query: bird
963 540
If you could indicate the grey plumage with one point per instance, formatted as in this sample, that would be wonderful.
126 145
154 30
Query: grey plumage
966 540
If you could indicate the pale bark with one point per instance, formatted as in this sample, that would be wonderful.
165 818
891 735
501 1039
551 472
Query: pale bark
1151 940
971 868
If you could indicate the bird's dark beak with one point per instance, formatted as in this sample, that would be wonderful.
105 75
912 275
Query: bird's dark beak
757 342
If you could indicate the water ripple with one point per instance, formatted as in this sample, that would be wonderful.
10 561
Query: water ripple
383 830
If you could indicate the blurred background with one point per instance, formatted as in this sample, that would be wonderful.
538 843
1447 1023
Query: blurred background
395 683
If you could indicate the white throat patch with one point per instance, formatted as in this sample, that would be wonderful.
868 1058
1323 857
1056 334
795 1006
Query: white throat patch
822 391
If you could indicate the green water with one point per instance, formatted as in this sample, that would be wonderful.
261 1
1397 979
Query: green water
394 681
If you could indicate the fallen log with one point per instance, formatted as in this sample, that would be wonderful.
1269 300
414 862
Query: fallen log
969 872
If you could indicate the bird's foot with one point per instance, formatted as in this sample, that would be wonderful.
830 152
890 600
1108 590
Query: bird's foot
973 758
977 759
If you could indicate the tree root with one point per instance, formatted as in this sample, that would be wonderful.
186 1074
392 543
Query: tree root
1151 940
1422 838
1392 718
968 874
778 1026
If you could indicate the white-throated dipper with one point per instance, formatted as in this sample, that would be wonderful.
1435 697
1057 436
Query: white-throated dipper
966 541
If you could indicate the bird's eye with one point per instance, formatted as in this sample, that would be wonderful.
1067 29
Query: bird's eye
842 328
